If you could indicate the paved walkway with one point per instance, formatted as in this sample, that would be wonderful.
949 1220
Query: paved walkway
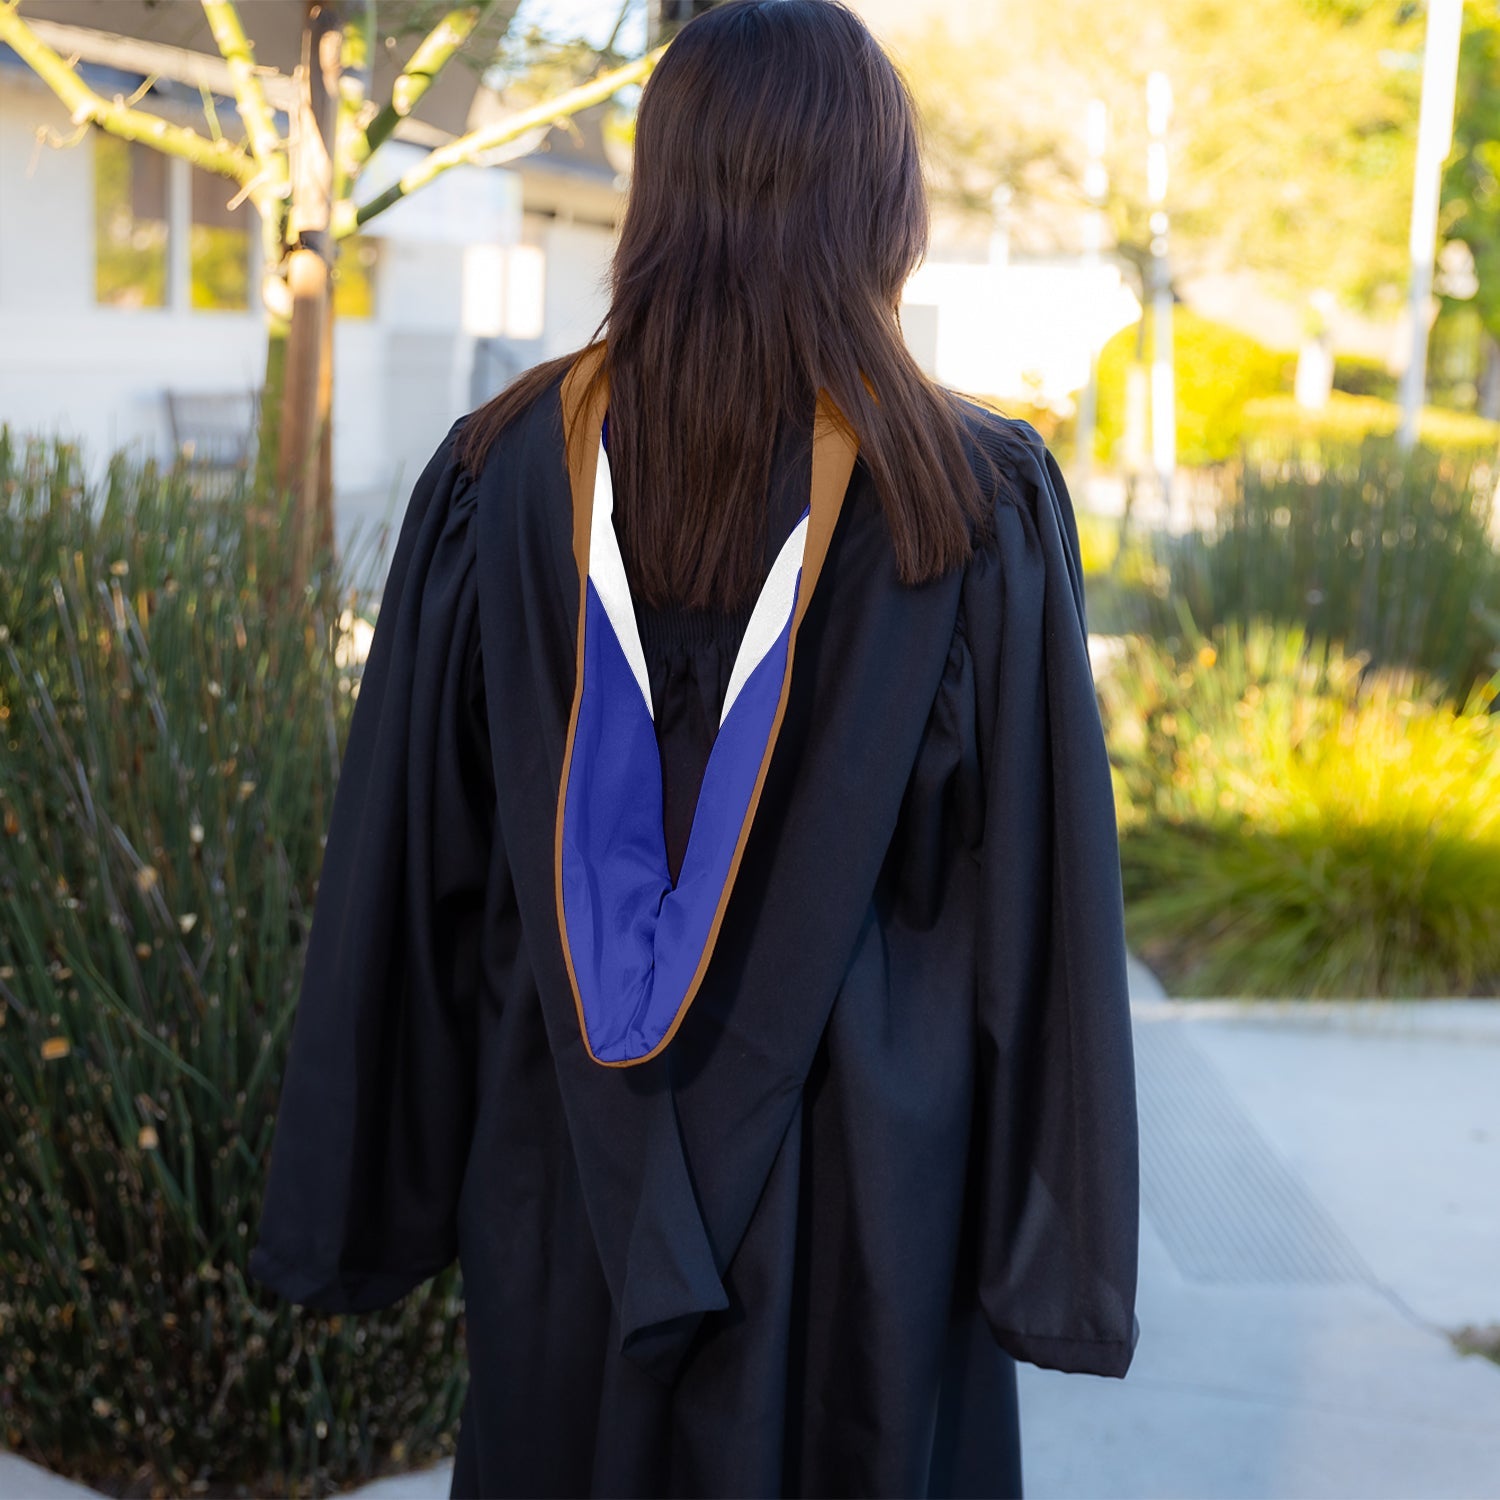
1320 1205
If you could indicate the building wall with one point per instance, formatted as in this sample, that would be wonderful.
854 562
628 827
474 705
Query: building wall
67 365
98 374
573 295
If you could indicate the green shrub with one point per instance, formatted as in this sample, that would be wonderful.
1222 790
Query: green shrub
1098 541
1455 357
168 752
1388 552
1216 369
1346 419
1359 375
1295 824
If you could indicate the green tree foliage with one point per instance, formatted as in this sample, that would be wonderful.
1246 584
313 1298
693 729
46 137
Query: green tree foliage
302 184
1471 184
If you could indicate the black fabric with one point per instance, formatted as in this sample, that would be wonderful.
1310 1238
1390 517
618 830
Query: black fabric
690 652
892 1147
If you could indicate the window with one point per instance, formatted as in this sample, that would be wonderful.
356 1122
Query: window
354 277
130 223
219 244
164 234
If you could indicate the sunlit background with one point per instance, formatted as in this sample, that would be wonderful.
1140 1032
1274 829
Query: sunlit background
1238 264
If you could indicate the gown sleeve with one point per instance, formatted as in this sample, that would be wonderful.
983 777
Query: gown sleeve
377 1098
1058 1187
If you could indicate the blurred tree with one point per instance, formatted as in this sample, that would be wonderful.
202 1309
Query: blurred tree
1291 142
1470 212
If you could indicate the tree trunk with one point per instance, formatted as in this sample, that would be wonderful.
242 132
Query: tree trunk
298 464
302 467
273 388
323 531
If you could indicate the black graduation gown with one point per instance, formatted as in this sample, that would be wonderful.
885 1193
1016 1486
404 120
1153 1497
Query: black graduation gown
891 1146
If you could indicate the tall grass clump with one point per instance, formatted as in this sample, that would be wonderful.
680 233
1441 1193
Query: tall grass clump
169 745
1296 824
1391 553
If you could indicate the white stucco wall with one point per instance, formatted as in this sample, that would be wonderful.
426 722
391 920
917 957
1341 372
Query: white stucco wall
67 365
97 374
577 291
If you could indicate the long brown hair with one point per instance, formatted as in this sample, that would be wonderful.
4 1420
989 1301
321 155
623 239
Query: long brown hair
776 208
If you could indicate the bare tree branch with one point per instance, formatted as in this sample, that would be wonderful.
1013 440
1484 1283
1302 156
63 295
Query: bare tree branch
433 54
614 33
355 71
118 118
467 147
250 97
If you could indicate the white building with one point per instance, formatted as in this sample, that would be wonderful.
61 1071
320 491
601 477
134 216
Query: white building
125 276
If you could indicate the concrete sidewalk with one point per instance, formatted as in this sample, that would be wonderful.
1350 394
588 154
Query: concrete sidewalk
1320 1192
1320 1207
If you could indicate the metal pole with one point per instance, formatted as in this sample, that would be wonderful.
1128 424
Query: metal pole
1434 140
1000 200
1095 186
179 234
1163 394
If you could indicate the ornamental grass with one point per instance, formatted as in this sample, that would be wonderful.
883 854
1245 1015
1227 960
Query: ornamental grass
1394 554
170 732
1296 823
